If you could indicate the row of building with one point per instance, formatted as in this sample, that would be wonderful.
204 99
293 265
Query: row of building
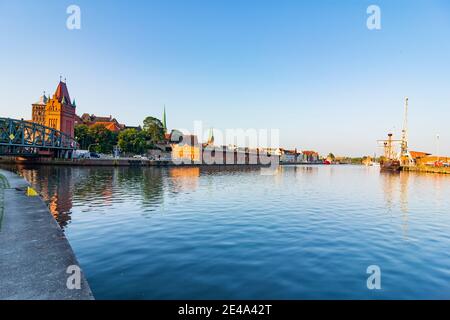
59 112
187 147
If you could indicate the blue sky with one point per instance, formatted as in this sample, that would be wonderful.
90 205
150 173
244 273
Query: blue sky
309 68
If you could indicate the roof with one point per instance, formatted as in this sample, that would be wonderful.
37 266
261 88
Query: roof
294 152
42 100
103 119
310 153
111 126
78 120
62 92
92 119
418 154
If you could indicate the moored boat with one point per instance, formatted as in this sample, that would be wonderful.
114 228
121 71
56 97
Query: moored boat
390 165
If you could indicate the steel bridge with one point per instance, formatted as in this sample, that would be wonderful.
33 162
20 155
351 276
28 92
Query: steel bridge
29 139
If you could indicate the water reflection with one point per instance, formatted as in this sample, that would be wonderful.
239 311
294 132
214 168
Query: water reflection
101 188
395 187
184 179
179 233
56 186
96 188
404 189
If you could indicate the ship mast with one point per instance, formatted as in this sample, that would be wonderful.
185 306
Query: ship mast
405 131
405 156
388 148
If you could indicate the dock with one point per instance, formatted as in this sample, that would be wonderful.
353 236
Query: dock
427 169
119 162
35 254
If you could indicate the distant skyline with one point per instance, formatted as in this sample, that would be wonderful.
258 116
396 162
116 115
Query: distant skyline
311 69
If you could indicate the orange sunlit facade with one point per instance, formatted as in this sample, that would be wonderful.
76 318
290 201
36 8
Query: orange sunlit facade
57 112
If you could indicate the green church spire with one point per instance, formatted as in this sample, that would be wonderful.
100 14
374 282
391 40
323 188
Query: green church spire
164 120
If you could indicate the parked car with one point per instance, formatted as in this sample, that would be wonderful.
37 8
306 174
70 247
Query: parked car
138 156
81 154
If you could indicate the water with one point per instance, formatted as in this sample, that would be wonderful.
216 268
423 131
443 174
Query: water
303 233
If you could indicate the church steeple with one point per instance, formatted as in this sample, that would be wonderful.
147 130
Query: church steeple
211 137
164 120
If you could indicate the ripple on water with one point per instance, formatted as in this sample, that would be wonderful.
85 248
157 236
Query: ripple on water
304 233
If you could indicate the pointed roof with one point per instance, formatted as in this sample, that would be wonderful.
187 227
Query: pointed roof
211 136
62 92
42 100
164 120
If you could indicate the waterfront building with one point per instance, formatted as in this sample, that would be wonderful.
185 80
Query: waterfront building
367 161
187 150
57 112
417 155
288 155
427 159
108 122
38 110
310 156
434 161
273 151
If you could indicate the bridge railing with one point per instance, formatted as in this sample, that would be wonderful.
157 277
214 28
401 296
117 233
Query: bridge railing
21 133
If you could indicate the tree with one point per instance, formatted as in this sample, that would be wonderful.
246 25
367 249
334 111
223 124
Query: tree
154 130
132 141
104 139
82 136
331 156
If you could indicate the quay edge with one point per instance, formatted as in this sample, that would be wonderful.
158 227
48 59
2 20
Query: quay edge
35 253
427 169
121 162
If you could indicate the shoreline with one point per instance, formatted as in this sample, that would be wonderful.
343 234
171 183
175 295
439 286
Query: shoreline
36 256
131 162
424 169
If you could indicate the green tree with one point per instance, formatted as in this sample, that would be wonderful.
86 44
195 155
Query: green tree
154 130
104 138
82 136
331 156
132 141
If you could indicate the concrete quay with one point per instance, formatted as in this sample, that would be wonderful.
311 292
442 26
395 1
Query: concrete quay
34 252
427 169
120 162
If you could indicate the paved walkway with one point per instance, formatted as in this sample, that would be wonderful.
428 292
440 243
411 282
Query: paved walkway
34 253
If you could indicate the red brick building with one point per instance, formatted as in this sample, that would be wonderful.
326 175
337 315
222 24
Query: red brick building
57 112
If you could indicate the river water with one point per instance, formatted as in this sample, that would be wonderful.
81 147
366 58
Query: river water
305 232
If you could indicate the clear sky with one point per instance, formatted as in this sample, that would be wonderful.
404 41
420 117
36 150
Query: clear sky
309 68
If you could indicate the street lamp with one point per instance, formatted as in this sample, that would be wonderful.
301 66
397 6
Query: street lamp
437 146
